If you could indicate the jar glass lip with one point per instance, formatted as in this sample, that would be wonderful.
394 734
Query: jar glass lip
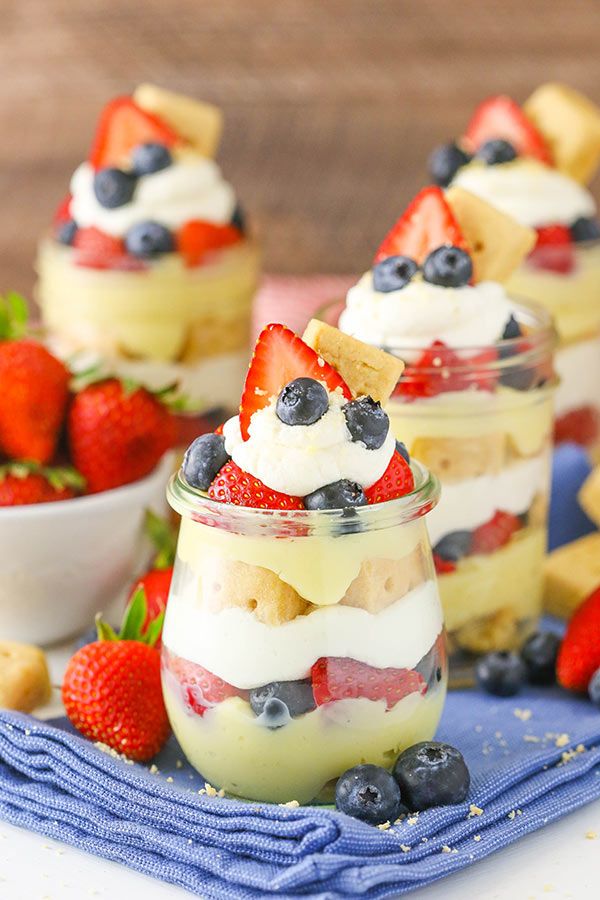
193 504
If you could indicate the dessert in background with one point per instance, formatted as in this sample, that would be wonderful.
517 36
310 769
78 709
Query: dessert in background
303 633
474 402
148 264
533 163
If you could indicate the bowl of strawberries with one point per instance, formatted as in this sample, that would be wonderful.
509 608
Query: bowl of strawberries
81 461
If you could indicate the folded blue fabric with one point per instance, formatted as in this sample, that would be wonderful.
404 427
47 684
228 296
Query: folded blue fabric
532 759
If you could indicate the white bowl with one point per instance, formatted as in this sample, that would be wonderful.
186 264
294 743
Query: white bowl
60 563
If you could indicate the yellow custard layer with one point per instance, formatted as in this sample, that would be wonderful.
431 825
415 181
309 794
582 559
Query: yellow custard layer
166 312
296 761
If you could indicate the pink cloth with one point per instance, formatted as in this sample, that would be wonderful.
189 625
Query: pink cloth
293 300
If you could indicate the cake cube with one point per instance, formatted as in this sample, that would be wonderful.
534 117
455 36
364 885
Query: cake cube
453 459
233 583
382 582
24 678
571 573
589 496
200 123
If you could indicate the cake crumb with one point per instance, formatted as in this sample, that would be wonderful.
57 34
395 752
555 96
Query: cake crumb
291 804
562 740
580 748
531 738
405 848
474 811
154 770
210 790
477 837
170 779
479 729
110 751
178 764
446 849
384 826
523 714
591 835
512 814
412 820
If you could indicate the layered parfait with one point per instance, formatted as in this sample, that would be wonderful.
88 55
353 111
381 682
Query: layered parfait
474 402
149 265
533 163
304 629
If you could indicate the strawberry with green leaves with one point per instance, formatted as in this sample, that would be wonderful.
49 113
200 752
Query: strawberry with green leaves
155 584
23 483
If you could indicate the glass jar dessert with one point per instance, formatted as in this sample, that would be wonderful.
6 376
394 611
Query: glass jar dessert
304 630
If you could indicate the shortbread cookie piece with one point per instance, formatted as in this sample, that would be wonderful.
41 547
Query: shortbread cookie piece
502 630
381 582
231 583
367 370
571 573
454 459
200 123
589 496
499 244
24 678
570 124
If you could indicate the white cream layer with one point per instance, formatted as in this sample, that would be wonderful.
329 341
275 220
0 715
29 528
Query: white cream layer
578 367
234 645
529 191
420 313
472 502
298 459
190 188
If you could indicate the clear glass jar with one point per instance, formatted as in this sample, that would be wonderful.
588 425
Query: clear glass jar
341 610
481 420
566 281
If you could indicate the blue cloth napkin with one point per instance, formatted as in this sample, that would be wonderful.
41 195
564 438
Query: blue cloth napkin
571 465
533 759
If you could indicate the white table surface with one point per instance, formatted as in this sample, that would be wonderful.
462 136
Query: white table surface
558 861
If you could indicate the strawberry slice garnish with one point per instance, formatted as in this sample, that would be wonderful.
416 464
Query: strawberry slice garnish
200 689
122 126
233 485
495 534
554 250
581 426
579 655
500 117
94 249
196 239
427 223
440 369
342 678
396 481
279 357
443 566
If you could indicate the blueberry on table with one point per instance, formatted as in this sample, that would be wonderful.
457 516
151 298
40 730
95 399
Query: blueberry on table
431 774
151 157
448 266
66 231
147 240
368 793
203 459
496 152
393 273
501 673
584 229
296 695
444 163
341 494
367 422
539 655
402 450
452 547
113 187
594 688
302 402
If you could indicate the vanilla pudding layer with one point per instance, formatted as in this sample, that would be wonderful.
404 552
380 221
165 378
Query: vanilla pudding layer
234 752
578 368
166 312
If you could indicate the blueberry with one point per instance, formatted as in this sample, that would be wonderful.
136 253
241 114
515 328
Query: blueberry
401 449
448 266
512 330
238 219
539 655
275 714
429 668
149 239
432 774
367 422
297 696
66 232
444 163
594 688
203 459
454 546
113 187
337 495
501 673
151 157
496 152
368 793
302 402
393 273
584 229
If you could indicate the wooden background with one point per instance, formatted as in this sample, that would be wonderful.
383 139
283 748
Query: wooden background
331 105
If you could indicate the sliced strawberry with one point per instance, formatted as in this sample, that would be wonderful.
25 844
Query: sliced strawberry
495 534
440 369
200 689
196 239
396 481
232 485
94 249
443 566
342 678
554 250
279 357
122 126
427 223
500 117
579 655
580 426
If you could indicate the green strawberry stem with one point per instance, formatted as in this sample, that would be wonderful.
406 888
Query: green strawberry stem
13 316
59 477
132 627
167 395
164 537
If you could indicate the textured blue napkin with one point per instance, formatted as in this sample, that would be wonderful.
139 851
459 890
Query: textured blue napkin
532 758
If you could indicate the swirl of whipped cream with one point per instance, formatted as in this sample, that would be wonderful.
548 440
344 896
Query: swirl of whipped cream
190 188
299 459
420 313
527 190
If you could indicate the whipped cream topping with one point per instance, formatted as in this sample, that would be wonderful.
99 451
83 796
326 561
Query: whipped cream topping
299 459
190 188
529 191
418 314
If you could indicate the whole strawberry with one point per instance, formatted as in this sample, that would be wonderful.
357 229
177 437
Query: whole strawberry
34 393
579 654
117 433
23 483
112 688
156 582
